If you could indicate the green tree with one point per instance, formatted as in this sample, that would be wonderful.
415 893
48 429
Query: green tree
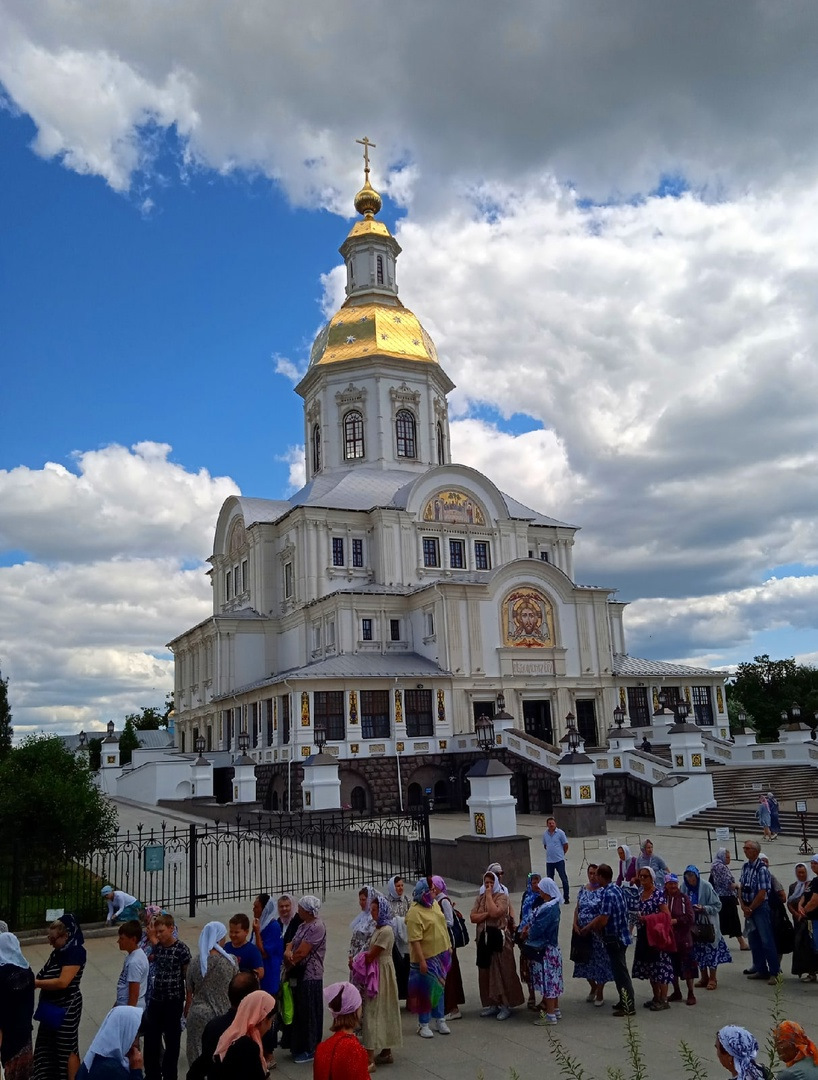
765 688
148 718
6 730
128 742
95 754
47 796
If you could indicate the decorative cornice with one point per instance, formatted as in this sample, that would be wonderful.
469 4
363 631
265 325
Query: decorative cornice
313 410
441 408
351 396
404 395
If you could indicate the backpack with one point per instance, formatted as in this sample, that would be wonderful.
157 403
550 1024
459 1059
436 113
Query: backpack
459 930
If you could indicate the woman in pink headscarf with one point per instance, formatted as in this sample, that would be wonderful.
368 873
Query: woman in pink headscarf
453 995
239 1052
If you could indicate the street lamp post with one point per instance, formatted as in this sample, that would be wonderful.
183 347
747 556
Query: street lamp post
244 741
619 717
320 738
484 730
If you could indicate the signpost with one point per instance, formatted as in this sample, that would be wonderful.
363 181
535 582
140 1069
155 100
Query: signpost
722 837
801 810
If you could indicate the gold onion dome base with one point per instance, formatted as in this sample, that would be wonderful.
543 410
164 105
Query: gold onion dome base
368 202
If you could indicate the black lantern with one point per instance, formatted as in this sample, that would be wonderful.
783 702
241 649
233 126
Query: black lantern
83 738
320 738
110 729
501 702
574 738
682 710
793 714
244 741
484 730
619 716
199 744
742 719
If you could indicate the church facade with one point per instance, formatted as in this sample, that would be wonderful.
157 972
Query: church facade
399 595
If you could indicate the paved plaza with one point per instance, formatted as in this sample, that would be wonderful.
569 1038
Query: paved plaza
486 1046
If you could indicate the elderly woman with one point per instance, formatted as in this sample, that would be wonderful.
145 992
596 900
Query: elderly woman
453 995
764 817
381 1015
724 884
627 866
268 939
122 907
541 943
304 966
709 955
804 957
341 1056
647 858
56 1052
362 926
737 1051
207 983
798 1053
399 904
240 1053
500 987
16 1009
649 962
430 953
532 898
597 969
681 920
113 1053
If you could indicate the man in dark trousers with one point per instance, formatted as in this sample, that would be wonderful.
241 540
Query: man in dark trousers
163 1016
612 924
555 843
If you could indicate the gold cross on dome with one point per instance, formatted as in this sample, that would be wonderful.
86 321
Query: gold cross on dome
365 143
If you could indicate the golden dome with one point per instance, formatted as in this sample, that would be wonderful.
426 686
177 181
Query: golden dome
368 202
368 330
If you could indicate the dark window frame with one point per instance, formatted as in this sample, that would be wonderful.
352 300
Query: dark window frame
357 552
316 448
338 558
376 720
639 709
354 446
394 630
418 713
482 555
431 550
406 433
367 630
328 712
702 700
458 546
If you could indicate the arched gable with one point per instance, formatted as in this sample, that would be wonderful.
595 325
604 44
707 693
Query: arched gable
457 494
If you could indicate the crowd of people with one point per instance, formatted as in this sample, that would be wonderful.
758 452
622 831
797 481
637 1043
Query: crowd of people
257 984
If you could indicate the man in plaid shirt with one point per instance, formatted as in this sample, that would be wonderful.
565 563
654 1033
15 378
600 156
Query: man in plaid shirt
612 925
755 889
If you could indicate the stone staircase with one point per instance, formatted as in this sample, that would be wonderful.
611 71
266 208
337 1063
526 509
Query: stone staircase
736 791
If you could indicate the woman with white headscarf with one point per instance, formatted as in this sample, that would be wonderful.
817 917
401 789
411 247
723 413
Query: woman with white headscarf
113 1054
500 986
627 865
267 934
722 880
804 957
207 983
399 904
304 967
363 925
16 1009
737 1051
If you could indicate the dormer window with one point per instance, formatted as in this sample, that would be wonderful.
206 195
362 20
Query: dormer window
379 269
405 432
353 436
316 448
441 445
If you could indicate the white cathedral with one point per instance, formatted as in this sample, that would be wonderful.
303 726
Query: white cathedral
398 596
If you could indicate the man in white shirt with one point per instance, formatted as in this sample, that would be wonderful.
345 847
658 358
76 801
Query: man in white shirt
133 979
555 843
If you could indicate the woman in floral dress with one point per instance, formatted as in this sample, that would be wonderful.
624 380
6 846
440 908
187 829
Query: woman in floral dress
532 899
648 962
706 905
597 970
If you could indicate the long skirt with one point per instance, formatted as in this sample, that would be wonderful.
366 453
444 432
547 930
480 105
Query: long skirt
453 994
54 1047
129 913
426 991
729 921
499 983
712 955
546 978
401 962
684 964
307 1029
804 957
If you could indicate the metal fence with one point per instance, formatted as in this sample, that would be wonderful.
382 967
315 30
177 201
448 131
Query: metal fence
210 863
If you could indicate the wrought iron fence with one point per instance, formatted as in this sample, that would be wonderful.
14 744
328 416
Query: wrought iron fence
181 866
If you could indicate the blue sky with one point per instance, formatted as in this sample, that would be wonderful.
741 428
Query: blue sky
624 300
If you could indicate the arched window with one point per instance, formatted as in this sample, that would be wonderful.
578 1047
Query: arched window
357 798
405 431
316 448
441 445
353 435
379 269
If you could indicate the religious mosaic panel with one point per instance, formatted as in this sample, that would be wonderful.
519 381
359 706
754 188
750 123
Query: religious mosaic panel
528 619
441 707
353 707
455 507
305 709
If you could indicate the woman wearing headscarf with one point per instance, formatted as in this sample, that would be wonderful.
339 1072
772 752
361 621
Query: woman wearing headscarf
399 904
362 926
541 936
304 966
16 1009
500 987
341 1056
656 863
122 907
681 921
531 899
627 866
597 970
240 1052
381 1016
207 983
764 817
56 1051
430 954
737 1051
709 955
113 1053
804 957
267 934
775 820
798 1053
724 884
453 994
649 962
289 921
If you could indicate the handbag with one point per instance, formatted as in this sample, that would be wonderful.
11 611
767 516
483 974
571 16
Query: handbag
50 1016
582 948
489 941
286 1005
703 931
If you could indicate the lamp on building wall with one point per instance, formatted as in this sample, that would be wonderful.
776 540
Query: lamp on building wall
83 738
501 702
199 744
110 729
320 738
574 738
484 730
619 716
244 741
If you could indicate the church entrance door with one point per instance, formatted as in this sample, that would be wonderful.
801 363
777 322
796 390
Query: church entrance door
537 720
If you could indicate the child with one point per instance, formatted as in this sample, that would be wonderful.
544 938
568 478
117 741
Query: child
163 1015
133 980
247 954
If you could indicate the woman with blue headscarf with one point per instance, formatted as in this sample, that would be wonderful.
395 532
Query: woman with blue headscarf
709 955
430 959
737 1050
208 981
381 1017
